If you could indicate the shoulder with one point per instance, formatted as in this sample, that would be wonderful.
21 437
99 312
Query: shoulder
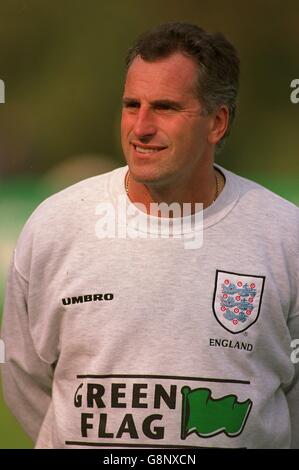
63 216
259 201
89 190
74 199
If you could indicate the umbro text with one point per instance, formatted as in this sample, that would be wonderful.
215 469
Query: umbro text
87 298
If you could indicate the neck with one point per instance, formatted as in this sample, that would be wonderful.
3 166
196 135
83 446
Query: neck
203 188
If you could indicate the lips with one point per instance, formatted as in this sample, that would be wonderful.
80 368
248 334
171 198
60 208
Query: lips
142 149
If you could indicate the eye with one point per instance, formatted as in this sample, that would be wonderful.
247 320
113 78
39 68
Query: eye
165 108
130 104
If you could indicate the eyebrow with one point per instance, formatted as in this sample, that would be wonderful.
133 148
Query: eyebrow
154 103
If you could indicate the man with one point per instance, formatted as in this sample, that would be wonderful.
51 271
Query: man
130 336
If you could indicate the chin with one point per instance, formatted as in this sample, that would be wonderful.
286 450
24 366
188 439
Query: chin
144 177
148 172
150 177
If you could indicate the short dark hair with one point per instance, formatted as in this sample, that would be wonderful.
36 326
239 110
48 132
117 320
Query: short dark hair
217 60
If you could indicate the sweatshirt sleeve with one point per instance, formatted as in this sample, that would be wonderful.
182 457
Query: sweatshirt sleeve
26 377
292 393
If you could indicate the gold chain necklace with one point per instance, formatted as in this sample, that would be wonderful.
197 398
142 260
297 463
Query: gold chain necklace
217 192
127 182
218 178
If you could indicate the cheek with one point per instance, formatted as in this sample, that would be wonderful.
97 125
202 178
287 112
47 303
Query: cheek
187 143
122 122
124 128
127 125
180 136
180 131
195 136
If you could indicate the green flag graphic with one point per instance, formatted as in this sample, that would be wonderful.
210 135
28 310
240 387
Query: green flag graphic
207 416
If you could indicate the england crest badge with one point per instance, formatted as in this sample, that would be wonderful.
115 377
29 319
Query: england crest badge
237 300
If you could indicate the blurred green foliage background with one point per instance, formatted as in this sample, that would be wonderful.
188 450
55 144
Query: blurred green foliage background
62 64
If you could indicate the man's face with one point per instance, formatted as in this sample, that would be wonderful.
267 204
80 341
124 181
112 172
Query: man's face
164 133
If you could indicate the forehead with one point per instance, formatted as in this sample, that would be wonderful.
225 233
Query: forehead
172 76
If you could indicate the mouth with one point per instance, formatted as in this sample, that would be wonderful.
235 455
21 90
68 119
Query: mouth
147 150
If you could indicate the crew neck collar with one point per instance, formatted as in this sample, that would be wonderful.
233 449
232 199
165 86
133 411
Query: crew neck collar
182 225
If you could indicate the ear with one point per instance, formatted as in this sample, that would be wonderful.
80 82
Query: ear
218 125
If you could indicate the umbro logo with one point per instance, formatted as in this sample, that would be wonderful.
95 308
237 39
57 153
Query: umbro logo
87 298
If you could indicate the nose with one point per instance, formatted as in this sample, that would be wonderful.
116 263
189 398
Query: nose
145 125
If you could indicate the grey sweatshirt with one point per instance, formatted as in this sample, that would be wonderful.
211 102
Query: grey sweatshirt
119 334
